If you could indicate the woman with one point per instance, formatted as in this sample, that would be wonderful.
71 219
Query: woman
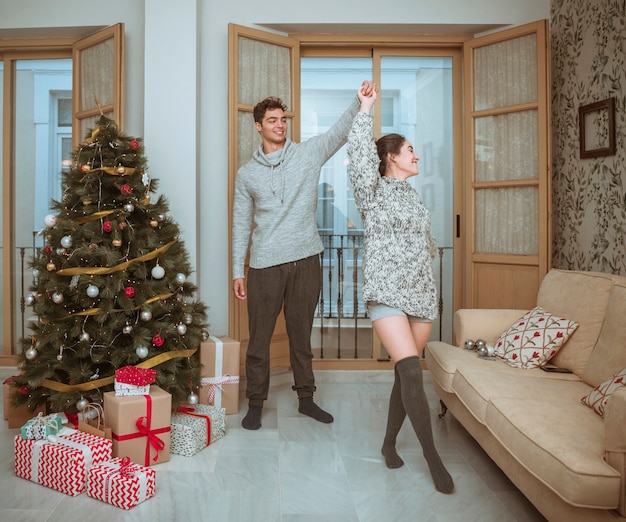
399 288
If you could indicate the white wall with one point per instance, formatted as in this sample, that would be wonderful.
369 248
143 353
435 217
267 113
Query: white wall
177 95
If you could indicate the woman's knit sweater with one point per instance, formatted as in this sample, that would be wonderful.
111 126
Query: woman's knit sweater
399 250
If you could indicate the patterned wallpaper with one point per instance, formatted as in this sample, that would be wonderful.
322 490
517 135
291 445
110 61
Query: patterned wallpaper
588 56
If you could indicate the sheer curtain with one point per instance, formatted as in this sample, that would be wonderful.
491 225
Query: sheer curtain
264 70
506 148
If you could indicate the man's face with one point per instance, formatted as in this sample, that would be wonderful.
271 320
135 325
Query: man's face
273 130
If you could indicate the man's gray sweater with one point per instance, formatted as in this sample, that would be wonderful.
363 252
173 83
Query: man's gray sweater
276 199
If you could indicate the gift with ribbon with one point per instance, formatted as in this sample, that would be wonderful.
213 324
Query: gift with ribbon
196 427
219 357
140 425
14 414
132 380
41 426
121 482
62 461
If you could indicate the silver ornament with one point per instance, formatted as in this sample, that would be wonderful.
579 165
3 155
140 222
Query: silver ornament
470 345
30 299
93 291
128 329
141 351
158 272
50 220
181 278
129 207
31 353
66 241
188 319
145 315
57 298
480 344
482 351
85 337
81 404
192 398
181 329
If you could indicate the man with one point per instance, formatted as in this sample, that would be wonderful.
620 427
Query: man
274 215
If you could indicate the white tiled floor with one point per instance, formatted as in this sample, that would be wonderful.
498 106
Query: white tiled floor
295 469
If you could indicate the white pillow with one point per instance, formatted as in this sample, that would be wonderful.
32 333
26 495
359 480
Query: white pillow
534 338
597 398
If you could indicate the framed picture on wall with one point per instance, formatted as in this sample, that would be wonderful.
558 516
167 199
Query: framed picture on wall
596 124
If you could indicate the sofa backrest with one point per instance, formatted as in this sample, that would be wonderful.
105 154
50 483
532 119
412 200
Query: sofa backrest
582 297
609 355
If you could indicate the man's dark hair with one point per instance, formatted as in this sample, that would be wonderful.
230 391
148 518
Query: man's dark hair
268 104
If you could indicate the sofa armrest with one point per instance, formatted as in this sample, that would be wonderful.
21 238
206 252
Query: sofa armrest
482 323
615 439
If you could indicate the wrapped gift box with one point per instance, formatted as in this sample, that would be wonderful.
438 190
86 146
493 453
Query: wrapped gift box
194 428
41 426
121 483
140 425
16 415
131 380
61 464
219 357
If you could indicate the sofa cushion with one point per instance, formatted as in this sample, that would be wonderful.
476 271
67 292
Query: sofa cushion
443 360
609 355
597 398
534 338
475 386
534 435
567 293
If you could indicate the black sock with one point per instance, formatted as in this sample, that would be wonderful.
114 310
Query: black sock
395 419
252 420
416 406
308 407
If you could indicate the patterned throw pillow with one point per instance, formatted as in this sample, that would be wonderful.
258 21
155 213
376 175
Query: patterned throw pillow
533 339
600 395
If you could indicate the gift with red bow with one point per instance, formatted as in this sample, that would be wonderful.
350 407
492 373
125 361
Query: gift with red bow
121 482
140 425
196 427
132 380
62 461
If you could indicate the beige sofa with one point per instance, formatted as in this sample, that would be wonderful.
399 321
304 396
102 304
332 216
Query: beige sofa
569 461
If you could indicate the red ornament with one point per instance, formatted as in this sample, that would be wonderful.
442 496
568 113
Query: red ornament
129 291
47 249
24 390
126 189
134 144
157 340
106 226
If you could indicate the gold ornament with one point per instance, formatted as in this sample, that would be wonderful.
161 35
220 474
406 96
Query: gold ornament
121 169
85 168
116 242
51 267
154 223
86 202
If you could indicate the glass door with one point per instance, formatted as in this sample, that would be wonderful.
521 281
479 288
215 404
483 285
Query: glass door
416 100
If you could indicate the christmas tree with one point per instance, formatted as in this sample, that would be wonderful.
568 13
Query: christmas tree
110 287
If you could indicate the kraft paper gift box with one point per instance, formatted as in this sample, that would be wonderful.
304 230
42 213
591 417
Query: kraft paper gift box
121 483
16 415
194 428
63 462
140 425
219 357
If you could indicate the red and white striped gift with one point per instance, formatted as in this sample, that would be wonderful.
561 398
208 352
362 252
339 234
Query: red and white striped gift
121 483
63 462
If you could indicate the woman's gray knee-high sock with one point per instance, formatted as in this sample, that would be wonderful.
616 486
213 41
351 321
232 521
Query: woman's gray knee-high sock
395 419
416 407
